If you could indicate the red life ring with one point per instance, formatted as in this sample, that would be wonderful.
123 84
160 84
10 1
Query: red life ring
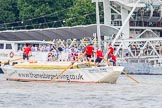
11 54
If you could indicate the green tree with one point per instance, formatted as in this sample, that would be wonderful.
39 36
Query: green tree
83 12
29 14
8 11
42 11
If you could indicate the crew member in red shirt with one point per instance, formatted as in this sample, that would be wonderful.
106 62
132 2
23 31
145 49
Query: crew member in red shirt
26 52
113 59
99 57
89 51
110 50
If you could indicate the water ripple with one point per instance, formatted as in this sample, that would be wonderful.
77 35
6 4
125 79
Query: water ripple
124 94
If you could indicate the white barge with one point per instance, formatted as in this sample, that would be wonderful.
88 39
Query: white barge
106 74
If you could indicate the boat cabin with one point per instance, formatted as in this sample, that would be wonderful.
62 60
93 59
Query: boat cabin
10 50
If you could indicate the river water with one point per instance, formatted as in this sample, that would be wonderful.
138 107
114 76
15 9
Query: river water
125 94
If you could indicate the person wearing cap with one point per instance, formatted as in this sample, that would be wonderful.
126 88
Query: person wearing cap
99 57
89 51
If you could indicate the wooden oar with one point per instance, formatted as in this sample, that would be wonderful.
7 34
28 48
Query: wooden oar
11 60
106 61
130 77
124 73
68 67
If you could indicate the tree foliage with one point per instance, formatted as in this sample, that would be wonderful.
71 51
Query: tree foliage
8 11
29 14
83 12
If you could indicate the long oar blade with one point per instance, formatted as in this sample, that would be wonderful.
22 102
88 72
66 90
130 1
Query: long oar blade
124 73
130 77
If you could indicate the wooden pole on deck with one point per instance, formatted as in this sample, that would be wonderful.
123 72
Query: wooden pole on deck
11 60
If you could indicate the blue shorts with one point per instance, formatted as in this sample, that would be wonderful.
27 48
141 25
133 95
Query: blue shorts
108 57
98 60
114 63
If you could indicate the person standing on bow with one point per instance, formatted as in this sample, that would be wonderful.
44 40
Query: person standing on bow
112 59
26 52
110 50
89 52
99 57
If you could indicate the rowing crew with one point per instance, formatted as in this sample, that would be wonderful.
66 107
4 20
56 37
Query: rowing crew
111 58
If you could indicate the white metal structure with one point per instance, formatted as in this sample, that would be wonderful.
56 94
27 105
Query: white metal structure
140 29
124 12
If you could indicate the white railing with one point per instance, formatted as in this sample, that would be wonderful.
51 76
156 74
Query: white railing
132 1
160 1
129 1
